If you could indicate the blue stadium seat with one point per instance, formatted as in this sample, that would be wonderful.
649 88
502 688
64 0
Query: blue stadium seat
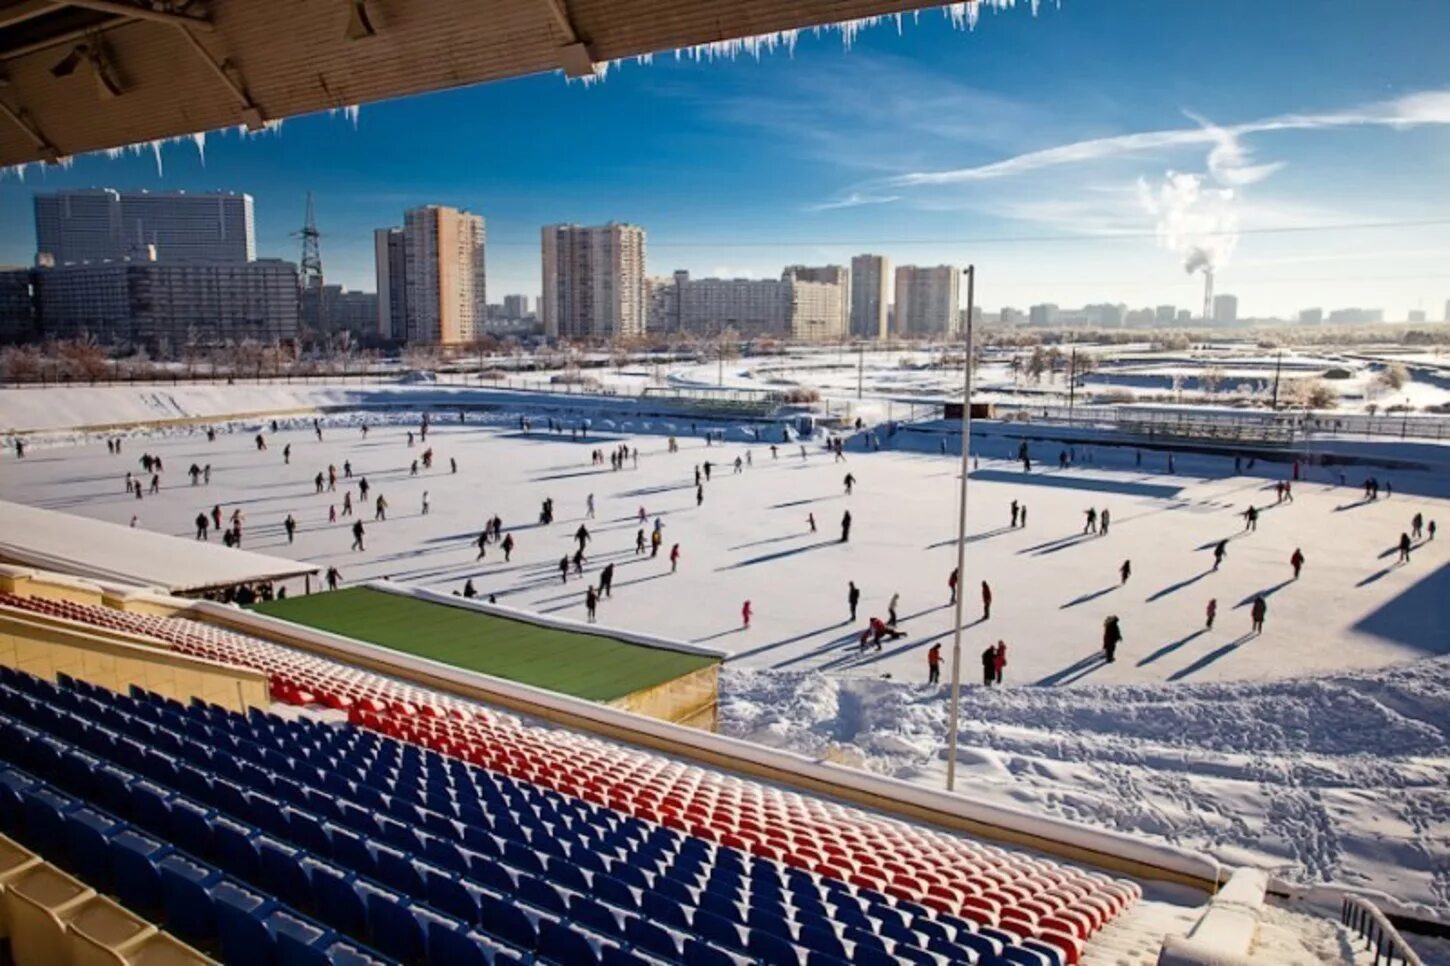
87 834
391 923
281 871
241 918
299 941
134 860
565 944
501 918
771 948
336 900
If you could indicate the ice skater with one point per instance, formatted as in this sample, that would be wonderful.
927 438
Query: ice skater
1091 526
591 603
986 601
891 609
1126 570
357 535
1103 521
1251 518
674 558
1220 551
933 664
999 662
850 482
1014 514
952 586
1210 612
606 580
1297 562
989 665
589 507
334 577
290 525
1404 548
508 547
1112 637
745 612
853 598
1258 612
425 503
811 519
846 527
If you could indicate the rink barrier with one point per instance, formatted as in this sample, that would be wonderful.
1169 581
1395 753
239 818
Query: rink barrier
1224 934
1060 838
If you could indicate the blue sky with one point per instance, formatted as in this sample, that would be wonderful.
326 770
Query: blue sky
1038 146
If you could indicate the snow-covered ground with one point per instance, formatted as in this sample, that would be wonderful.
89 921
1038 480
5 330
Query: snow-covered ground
1317 748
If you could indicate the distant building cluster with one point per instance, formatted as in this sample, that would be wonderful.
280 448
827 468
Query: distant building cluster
174 268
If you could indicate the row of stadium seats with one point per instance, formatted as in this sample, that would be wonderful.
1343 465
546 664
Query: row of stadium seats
1023 897
424 856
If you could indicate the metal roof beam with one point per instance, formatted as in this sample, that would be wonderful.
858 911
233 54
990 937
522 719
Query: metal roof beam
141 12
22 120
252 115
23 10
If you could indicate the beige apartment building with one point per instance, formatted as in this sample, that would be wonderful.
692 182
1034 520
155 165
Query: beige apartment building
594 284
444 296
927 300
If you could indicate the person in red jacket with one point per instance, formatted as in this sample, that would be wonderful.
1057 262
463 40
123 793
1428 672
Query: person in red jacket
675 559
933 664
999 660
745 615
952 586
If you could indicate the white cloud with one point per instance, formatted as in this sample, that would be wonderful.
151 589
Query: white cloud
1412 110
854 200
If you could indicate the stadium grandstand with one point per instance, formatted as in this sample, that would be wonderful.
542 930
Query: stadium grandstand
343 813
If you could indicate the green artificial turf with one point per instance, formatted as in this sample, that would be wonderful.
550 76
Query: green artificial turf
581 664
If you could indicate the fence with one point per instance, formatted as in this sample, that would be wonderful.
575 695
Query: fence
1380 936
1246 426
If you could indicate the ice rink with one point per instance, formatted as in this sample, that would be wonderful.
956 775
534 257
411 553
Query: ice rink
750 539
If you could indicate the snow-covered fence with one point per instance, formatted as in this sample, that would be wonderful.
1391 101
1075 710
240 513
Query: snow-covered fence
1379 934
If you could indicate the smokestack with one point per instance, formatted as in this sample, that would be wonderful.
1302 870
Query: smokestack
1207 294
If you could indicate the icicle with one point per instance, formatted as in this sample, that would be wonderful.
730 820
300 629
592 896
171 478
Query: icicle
199 139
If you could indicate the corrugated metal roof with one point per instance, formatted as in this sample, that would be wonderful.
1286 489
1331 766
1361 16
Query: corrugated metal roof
245 62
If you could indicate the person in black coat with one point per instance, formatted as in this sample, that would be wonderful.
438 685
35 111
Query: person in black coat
1112 637
989 666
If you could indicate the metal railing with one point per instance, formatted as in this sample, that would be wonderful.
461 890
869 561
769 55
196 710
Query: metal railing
1379 934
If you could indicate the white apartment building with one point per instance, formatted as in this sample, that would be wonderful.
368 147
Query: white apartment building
444 264
870 296
839 278
103 224
927 299
593 281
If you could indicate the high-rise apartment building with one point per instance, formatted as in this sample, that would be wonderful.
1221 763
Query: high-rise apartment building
1313 316
927 299
1225 308
786 307
515 306
838 277
1165 314
179 303
102 224
1043 313
17 309
445 297
593 281
870 296
390 258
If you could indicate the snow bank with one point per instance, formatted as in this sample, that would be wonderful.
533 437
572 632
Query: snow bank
1339 778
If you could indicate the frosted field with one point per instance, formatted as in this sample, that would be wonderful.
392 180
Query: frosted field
1316 749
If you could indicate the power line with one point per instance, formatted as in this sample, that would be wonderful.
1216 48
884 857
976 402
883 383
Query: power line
1013 239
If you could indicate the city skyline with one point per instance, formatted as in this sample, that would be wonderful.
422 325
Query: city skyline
1058 191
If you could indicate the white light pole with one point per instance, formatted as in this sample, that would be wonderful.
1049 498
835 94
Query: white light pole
971 273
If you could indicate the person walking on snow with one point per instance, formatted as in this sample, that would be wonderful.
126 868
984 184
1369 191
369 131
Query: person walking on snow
850 482
1404 548
1103 522
656 539
674 558
357 535
1211 612
891 609
986 601
591 602
425 503
745 615
1126 570
201 526
1024 516
989 665
639 541
1112 637
564 569
933 664
1297 562
699 496
811 519
581 536
290 525
334 577
853 598
1431 529
952 586
1091 526
846 527
999 662
1417 526
380 508
1251 518
589 507
1220 551
606 580
482 544
1014 514
1258 612
508 547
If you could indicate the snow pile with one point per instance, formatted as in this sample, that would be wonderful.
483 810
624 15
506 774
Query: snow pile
1338 778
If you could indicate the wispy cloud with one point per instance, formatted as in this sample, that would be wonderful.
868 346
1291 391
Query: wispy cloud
854 200
1422 108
